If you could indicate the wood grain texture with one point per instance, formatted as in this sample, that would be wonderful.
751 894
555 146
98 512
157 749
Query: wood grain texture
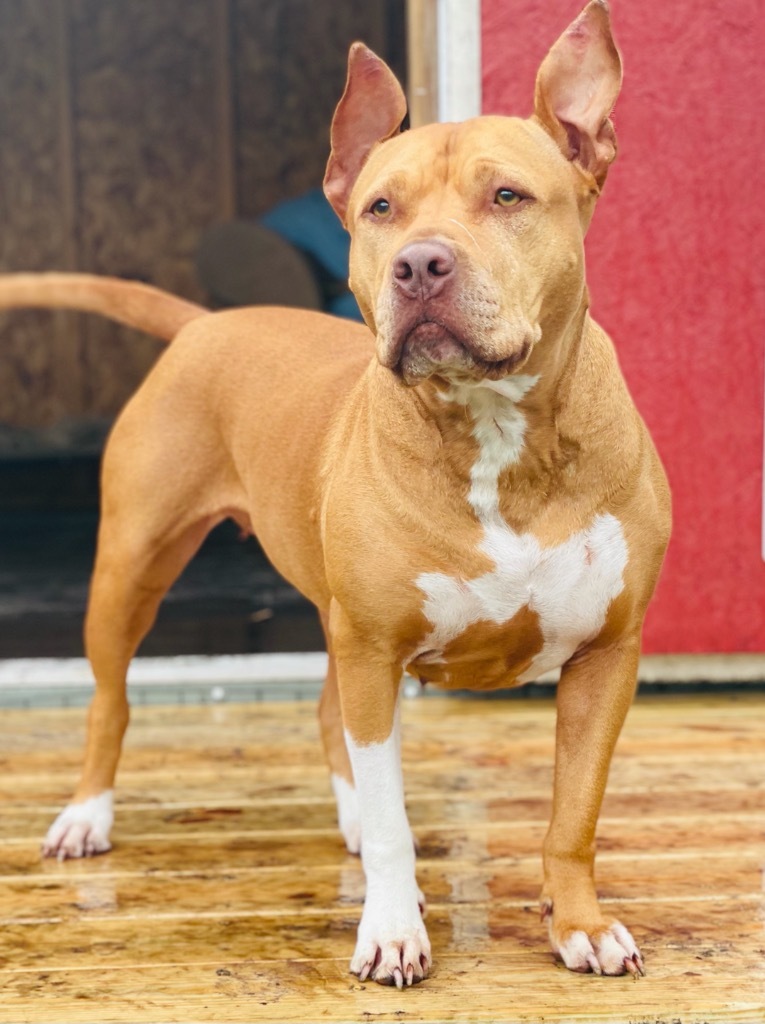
229 895
289 72
422 32
32 212
148 170
127 129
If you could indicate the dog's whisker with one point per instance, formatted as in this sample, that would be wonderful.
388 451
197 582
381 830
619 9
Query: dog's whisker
470 234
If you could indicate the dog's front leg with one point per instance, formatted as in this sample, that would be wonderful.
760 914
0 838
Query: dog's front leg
594 694
393 946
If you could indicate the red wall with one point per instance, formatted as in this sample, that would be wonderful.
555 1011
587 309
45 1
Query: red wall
676 267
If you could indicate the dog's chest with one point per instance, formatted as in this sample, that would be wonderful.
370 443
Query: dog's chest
538 604
528 614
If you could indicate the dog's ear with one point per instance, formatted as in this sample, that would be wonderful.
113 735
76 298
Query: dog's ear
576 90
370 111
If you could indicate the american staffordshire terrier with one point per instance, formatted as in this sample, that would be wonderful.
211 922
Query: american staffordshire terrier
463 488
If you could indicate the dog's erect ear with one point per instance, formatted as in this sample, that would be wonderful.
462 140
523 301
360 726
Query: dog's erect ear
370 111
576 90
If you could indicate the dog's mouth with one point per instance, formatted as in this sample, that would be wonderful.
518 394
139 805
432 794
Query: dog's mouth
431 348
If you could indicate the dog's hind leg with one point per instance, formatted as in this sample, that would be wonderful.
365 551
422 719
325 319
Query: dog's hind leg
156 511
336 751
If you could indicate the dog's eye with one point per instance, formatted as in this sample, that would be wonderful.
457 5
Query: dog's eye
380 208
506 197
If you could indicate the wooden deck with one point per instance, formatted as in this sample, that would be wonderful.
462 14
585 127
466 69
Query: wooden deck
229 897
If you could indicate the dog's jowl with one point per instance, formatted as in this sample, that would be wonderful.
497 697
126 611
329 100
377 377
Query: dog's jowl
463 487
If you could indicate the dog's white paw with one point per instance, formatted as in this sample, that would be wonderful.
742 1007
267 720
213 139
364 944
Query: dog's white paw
347 812
611 951
393 946
81 830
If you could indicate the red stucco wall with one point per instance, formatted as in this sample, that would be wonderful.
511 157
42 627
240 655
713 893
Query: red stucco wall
676 266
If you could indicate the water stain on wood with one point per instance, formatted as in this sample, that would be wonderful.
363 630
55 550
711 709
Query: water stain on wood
245 907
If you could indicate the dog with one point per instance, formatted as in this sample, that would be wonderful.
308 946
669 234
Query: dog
463 487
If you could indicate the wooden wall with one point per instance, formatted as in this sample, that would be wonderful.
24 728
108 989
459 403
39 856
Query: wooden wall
125 130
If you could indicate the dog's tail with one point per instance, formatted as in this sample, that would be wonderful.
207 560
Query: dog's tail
129 302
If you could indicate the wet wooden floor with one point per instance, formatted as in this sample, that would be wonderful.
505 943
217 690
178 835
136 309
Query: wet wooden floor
229 897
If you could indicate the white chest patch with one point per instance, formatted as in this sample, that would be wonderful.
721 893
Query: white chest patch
569 585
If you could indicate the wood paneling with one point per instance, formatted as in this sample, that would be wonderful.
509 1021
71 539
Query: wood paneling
229 896
33 212
128 128
290 65
422 29
147 168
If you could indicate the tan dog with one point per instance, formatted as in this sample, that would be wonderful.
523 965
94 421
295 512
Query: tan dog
477 505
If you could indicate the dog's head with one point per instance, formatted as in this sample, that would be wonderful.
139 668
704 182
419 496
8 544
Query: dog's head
467 239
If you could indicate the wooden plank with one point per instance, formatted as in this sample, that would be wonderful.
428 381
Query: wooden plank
237 853
204 787
34 236
464 987
289 67
426 809
422 53
144 125
66 155
229 895
514 854
170 936
696 719
66 347
432 731
191 890
303 849
225 147
147 772
283 774
493 817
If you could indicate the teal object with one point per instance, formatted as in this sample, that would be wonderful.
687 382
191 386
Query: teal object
311 225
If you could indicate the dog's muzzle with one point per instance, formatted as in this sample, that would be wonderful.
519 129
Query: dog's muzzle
429 347
427 326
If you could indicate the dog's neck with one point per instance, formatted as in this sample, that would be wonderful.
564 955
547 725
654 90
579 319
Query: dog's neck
517 418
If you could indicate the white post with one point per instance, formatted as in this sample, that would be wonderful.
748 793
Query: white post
459 59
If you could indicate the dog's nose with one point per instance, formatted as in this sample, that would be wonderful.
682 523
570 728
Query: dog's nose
423 269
